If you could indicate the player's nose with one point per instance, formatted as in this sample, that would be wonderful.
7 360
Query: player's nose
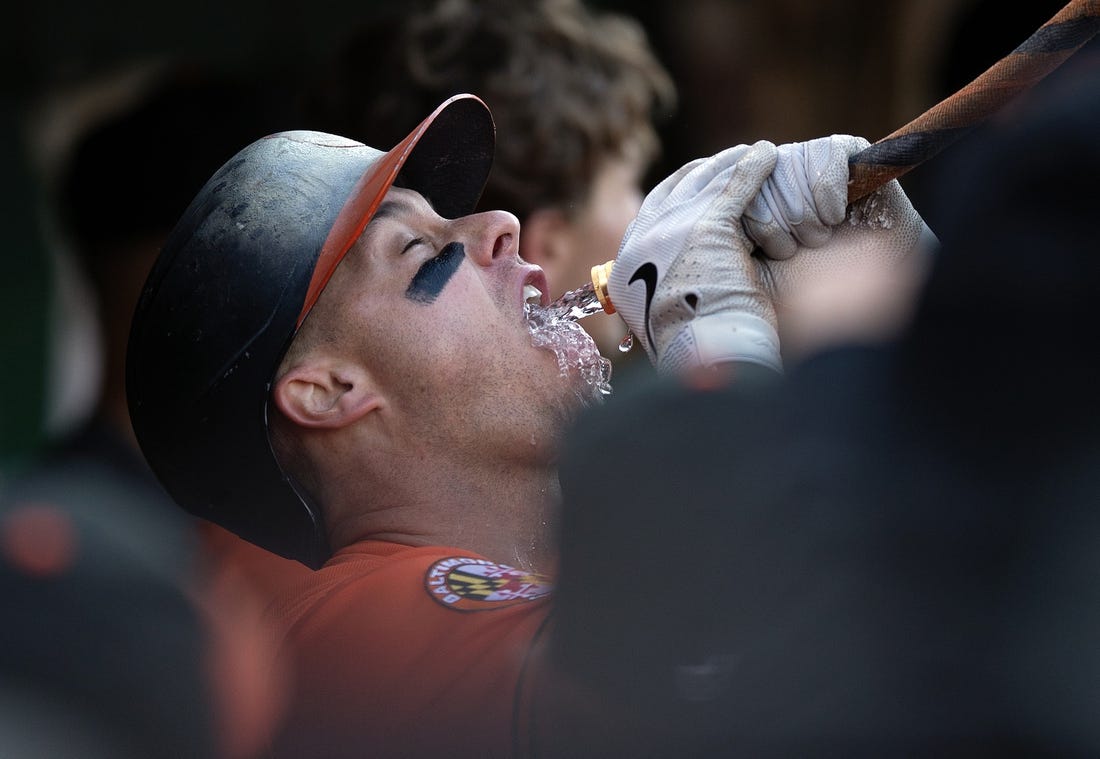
492 235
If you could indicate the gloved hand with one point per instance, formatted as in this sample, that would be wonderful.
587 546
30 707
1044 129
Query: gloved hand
684 279
801 221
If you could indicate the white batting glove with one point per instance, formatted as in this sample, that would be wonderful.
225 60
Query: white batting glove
684 279
802 222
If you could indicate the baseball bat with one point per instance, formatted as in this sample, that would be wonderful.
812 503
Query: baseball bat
947 121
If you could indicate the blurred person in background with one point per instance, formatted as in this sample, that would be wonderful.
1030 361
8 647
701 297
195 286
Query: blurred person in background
576 94
118 195
143 139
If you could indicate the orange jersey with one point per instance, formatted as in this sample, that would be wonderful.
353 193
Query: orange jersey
402 651
268 575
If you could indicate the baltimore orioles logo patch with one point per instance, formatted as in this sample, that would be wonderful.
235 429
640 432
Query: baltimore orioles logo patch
477 584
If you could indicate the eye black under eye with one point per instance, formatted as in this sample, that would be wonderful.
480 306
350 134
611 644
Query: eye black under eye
435 273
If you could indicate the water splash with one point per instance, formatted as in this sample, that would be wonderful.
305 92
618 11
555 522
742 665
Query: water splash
555 328
576 304
582 302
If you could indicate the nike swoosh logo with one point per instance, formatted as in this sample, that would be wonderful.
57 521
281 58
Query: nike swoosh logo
647 272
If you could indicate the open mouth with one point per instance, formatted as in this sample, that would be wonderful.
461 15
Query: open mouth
578 358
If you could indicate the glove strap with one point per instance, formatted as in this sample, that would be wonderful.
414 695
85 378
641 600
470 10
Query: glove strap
720 338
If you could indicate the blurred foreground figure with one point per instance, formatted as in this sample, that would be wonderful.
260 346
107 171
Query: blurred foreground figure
102 653
893 550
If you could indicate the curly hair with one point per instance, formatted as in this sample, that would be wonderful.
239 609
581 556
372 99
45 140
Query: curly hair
568 88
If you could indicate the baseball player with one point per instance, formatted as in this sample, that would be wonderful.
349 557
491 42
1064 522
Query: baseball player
331 359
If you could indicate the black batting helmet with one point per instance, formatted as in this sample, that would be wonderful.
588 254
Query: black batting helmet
234 281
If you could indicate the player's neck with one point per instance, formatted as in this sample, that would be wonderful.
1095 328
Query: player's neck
504 515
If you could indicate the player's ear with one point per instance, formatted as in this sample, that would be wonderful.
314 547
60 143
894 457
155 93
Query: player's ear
545 238
325 394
